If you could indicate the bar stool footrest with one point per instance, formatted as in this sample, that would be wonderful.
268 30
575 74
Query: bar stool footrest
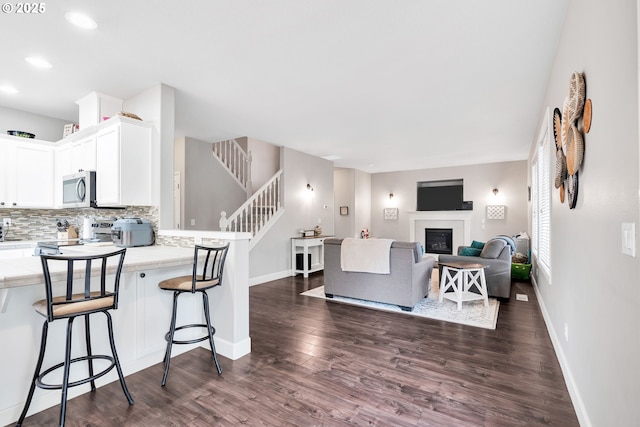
192 341
93 377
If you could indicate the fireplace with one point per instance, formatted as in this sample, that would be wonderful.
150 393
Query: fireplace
438 241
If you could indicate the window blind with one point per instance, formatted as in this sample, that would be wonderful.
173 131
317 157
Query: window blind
544 205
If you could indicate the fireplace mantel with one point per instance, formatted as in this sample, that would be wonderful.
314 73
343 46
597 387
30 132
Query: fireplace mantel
435 219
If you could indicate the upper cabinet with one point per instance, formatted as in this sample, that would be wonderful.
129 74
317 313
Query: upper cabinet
123 164
71 157
120 151
27 172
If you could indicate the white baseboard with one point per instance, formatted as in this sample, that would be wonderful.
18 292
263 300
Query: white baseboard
574 393
269 277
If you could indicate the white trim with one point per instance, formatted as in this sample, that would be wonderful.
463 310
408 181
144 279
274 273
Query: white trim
270 277
572 387
464 216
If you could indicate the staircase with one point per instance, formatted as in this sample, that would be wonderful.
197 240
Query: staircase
258 213
237 162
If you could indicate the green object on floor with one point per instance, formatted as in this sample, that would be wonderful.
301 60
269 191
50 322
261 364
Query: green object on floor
520 271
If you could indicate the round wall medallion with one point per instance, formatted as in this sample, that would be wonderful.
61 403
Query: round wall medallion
586 116
573 190
575 150
557 127
561 168
577 91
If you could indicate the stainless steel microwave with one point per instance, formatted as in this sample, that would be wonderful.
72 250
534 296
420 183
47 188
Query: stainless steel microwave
79 190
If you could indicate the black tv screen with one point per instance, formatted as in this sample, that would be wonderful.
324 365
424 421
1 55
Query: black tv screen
440 195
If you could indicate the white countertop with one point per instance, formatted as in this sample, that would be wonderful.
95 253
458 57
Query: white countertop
27 270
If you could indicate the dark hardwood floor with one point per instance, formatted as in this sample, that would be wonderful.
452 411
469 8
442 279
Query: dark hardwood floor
318 363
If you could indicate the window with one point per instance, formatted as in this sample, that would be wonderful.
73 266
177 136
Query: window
541 198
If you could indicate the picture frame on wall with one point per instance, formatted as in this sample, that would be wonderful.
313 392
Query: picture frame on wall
344 210
390 213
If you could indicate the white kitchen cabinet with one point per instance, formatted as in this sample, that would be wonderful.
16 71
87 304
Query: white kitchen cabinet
153 310
123 164
72 156
26 179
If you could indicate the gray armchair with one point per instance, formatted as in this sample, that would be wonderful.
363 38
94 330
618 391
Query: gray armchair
496 255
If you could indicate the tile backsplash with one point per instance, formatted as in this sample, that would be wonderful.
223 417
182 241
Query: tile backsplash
40 224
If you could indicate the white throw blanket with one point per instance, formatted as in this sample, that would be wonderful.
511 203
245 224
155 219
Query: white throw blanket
366 255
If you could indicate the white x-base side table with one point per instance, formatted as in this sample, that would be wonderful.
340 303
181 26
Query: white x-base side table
463 277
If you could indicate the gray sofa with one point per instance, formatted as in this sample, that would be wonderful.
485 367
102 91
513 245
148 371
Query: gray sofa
498 260
408 282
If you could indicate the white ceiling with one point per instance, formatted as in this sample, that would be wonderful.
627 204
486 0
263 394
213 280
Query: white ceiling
384 84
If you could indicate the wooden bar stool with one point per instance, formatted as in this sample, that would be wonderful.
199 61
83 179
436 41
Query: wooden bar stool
208 266
99 295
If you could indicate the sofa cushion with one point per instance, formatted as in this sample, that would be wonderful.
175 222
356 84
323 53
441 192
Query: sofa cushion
477 245
467 251
415 246
509 241
493 248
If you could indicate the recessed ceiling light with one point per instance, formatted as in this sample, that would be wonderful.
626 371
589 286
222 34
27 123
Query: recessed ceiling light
38 62
332 157
9 90
81 20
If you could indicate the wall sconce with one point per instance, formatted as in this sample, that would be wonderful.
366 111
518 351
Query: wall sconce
309 187
390 196
495 191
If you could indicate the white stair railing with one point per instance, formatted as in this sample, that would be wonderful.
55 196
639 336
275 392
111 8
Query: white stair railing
258 213
238 162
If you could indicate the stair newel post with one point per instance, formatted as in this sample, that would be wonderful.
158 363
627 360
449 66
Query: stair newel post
223 223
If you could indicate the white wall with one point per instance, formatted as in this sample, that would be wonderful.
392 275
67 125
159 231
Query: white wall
509 177
271 257
593 288
44 128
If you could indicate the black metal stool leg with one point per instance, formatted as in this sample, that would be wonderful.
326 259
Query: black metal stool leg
87 336
65 375
43 342
172 331
116 359
205 303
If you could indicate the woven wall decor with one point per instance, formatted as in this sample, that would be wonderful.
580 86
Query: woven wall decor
569 137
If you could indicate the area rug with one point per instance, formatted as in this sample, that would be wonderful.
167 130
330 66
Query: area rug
473 313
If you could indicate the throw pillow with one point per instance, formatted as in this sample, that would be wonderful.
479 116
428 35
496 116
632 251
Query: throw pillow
492 248
467 251
477 245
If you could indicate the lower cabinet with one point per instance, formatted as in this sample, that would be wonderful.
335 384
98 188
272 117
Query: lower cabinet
140 323
153 310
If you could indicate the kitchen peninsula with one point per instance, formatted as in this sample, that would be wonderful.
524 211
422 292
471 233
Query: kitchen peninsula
140 322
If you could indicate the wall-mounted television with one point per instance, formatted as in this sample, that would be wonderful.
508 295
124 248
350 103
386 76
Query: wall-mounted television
445 195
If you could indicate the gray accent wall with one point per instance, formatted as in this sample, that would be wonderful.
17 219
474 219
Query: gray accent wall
352 188
44 128
207 187
593 288
510 178
271 257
